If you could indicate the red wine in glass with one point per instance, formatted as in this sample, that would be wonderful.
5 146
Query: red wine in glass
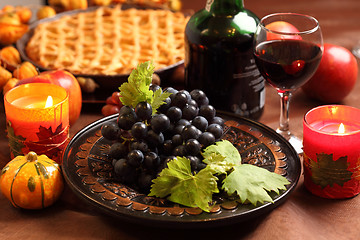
287 64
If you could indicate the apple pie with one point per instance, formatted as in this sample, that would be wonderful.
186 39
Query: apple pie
109 40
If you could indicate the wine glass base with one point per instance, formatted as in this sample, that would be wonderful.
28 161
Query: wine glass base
295 142
356 51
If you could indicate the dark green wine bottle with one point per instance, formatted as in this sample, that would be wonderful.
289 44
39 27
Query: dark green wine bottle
219 57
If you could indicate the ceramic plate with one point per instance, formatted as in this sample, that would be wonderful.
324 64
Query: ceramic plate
89 173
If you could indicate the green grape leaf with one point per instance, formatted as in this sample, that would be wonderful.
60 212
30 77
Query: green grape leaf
180 185
159 99
136 89
16 142
215 162
224 148
253 183
327 171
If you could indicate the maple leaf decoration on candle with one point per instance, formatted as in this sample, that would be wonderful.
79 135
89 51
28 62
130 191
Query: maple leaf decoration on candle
46 136
15 142
326 171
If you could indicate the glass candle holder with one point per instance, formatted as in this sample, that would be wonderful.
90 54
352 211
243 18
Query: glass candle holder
37 119
331 144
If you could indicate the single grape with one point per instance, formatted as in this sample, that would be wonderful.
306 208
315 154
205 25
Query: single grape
177 140
120 167
200 123
178 129
199 96
139 130
154 139
180 151
194 162
154 87
206 139
189 112
193 147
126 121
116 98
109 109
203 102
144 182
174 114
125 110
113 162
179 100
117 150
190 132
183 122
164 107
125 172
151 160
165 162
216 130
135 158
142 146
160 123
218 120
201 165
167 147
207 111
188 96
143 110
169 132
171 90
110 131
193 103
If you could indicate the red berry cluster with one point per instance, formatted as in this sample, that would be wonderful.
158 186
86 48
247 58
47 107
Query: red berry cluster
113 104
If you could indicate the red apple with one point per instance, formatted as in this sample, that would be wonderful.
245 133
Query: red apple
279 27
335 77
65 80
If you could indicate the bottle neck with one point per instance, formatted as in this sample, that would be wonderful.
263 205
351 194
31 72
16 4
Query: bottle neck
224 6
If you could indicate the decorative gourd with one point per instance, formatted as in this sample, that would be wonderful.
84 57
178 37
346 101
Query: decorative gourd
25 70
10 57
31 181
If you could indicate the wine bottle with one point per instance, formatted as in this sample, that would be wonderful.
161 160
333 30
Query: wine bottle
219 57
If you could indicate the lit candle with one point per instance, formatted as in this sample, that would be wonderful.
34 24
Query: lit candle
331 144
37 116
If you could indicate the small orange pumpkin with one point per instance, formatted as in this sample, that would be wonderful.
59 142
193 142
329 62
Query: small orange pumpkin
45 12
25 70
10 57
31 181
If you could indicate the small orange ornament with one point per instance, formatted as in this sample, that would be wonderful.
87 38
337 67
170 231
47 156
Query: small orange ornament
31 181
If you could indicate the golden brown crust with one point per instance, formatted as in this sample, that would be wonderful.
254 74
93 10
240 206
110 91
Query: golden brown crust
109 40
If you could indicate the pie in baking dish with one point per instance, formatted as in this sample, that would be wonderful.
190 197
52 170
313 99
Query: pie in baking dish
109 40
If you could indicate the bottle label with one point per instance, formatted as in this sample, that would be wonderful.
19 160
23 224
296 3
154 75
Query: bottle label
208 5
251 77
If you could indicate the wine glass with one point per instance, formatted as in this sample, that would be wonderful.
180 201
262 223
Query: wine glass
288 48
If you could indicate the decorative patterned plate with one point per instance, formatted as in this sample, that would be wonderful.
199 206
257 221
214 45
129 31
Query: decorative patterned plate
89 174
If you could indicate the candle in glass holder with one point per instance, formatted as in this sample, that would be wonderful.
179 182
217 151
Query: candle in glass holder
37 119
331 144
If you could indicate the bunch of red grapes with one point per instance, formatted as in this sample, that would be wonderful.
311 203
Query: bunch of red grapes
113 105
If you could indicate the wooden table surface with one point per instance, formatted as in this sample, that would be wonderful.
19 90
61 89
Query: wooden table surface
301 216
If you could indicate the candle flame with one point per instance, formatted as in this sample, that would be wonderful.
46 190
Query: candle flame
49 102
341 128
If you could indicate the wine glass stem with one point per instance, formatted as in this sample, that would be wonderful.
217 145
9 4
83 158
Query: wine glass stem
284 114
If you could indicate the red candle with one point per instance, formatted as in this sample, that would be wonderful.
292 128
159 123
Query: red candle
37 118
331 144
